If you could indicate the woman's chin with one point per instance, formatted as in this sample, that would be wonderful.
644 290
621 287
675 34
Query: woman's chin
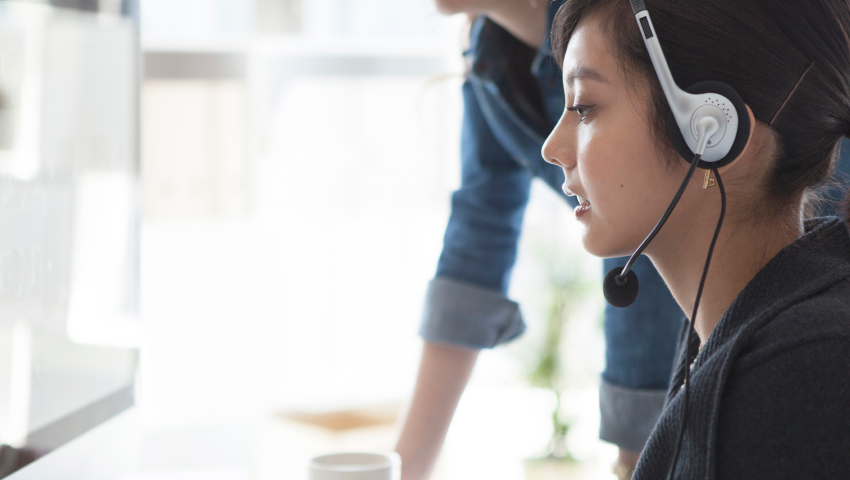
604 246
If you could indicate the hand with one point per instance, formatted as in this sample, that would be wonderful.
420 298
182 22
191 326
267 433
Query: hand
625 466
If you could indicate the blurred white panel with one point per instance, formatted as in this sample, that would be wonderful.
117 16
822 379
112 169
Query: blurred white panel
279 16
90 80
16 372
99 311
364 18
194 21
195 161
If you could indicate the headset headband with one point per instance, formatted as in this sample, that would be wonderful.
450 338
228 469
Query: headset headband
705 99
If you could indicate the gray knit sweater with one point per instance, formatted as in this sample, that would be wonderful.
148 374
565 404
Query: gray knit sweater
770 392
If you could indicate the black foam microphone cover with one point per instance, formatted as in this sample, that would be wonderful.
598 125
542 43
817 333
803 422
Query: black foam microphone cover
620 296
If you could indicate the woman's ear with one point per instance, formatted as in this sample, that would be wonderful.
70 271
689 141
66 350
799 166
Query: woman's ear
758 136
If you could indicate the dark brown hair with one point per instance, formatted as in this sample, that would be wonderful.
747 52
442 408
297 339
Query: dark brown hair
759 47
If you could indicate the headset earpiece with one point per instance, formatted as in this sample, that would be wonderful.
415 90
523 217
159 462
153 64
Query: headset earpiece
742 135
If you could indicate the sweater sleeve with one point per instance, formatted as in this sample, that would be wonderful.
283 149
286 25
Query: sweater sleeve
788 416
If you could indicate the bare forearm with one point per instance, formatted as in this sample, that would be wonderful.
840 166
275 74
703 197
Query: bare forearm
443 373
526 23
525 19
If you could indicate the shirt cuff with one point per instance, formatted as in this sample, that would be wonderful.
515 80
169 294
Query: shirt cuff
628 414
468 316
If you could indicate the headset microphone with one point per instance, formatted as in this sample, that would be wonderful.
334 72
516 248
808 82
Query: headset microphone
620 291
621 284
704 146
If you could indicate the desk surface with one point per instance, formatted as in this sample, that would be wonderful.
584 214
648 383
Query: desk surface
482 443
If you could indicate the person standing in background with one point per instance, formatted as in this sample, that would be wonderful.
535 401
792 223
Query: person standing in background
513 97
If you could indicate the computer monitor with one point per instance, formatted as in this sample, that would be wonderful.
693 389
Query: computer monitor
69 223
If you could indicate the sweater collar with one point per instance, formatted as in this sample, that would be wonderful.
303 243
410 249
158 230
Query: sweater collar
815 261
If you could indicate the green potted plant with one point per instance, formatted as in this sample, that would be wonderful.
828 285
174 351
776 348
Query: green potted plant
565 291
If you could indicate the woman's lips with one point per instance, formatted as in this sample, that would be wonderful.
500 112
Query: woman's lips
583 206
583 203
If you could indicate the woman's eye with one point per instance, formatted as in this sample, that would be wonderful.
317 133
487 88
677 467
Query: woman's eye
581 110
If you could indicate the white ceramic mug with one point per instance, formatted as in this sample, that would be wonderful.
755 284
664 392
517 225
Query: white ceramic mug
356 466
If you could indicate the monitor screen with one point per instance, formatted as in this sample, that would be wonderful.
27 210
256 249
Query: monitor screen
69 220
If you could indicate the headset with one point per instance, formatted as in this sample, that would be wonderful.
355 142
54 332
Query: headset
709 127
708 124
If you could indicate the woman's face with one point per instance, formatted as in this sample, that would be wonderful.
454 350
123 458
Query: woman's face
607 150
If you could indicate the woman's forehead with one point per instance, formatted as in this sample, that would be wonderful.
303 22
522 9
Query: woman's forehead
588 56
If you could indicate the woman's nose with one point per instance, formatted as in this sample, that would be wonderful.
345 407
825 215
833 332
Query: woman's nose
558 148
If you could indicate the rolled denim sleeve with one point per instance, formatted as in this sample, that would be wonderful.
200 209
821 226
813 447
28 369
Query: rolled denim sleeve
468 316
628 415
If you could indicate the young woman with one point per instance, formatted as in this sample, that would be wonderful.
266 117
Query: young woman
768 388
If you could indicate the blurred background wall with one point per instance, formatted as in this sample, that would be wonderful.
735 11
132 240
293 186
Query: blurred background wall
297 159
297 162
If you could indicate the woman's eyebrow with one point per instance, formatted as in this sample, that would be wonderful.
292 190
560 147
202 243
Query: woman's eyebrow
583 73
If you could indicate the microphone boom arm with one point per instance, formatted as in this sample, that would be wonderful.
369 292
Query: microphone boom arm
706 127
